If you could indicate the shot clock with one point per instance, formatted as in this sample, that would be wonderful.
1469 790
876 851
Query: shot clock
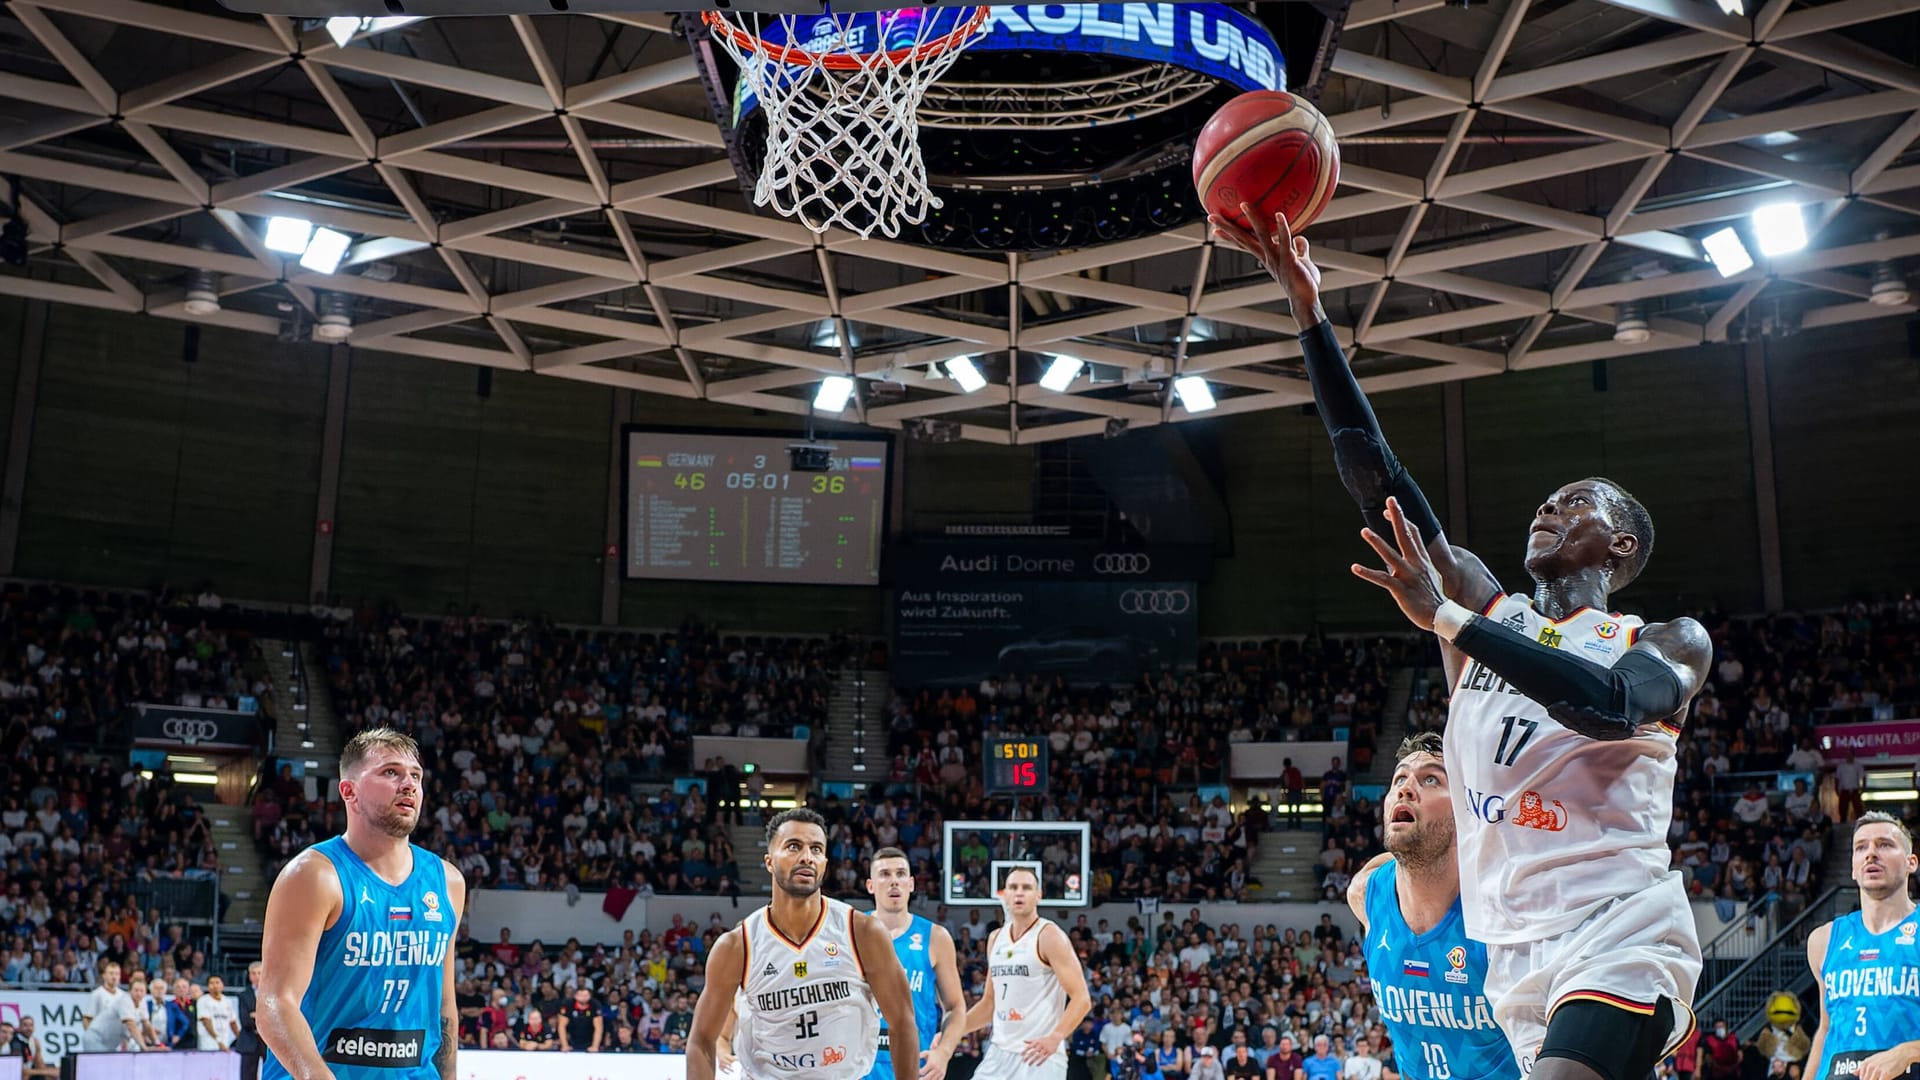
1015 765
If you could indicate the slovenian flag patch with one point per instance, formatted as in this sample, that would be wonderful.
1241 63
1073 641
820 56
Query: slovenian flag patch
399 914
1415 968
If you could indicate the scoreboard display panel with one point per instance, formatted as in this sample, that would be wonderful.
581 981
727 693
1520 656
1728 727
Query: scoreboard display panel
724 506
1015 765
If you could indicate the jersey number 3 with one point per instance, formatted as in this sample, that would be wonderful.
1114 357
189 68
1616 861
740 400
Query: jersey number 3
1507 723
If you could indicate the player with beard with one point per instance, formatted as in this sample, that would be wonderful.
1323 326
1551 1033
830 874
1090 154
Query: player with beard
1426 972
801 977
1561 736
357 977
1036 992
1867 964
926 954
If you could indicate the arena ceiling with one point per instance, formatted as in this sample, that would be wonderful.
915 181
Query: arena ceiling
551 194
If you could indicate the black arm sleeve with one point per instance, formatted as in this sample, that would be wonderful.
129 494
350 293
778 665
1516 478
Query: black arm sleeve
1598 702
1367 466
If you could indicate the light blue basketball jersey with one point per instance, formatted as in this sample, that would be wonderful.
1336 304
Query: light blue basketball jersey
374 1002
915 950
1429 990
1870 987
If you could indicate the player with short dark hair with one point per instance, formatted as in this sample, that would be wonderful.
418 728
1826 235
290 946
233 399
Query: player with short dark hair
1560 739
805 979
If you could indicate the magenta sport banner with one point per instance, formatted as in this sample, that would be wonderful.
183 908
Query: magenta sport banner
1891 738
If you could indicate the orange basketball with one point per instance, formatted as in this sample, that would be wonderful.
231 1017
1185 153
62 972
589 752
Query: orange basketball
1271 150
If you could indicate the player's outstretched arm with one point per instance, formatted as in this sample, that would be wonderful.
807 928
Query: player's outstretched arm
1652 682
888 981
304 902
444 1058
1057 952
953 1006
1357 888
726 966
1817 960
981 1014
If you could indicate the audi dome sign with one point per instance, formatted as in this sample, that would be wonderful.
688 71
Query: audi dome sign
173 727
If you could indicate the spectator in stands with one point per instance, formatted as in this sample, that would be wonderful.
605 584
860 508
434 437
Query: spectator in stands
1361 1064
584 1024
1720 1053
150 1017
534 1034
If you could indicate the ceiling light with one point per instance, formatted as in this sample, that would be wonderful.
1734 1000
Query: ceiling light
964 373
1733 7
342 28
1889 288
336 322
325 251
1061 373
833 394
1780 228
288 235
1194 393
1631 328
1729 255
203 293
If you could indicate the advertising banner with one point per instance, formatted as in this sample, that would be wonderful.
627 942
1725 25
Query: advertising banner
176 727
1891 738
173 1065
56 1017
1088 632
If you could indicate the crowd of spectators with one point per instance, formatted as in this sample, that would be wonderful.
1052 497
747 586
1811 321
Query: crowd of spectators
83 831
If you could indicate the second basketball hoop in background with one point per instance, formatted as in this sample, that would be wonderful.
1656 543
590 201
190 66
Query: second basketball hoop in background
842 96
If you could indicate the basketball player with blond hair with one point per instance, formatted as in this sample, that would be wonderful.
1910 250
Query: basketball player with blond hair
357 960
1036 992
1560 739
1867 964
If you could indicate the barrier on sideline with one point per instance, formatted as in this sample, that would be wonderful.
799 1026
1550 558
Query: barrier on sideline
519 1065
56 1018
172 1065
10 1068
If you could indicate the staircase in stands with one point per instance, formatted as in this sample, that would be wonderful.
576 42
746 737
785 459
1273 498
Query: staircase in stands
856 726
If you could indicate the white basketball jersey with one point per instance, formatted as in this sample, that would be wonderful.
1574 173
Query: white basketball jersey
1552 824
1027 999
805 1009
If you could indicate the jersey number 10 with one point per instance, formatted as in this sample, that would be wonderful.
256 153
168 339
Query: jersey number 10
1436 1062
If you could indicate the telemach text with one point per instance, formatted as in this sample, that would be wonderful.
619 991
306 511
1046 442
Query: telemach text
794 997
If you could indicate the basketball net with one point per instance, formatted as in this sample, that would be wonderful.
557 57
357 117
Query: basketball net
842 108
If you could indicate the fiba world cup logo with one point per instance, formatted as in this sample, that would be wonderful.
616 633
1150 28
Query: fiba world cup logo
901 29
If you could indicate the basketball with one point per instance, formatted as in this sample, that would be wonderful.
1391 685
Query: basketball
1271 150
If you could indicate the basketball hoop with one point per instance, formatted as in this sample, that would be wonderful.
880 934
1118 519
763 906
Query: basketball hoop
842 96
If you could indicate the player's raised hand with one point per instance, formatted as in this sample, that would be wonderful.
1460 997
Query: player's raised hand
1037 1051
1282 253
1409 575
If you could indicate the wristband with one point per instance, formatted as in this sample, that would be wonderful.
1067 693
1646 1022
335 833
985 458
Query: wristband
1450 619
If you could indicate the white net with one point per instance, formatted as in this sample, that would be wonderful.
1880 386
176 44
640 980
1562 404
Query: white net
841 94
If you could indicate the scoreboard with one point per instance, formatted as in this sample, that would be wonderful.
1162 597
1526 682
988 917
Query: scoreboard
1015 765
706 506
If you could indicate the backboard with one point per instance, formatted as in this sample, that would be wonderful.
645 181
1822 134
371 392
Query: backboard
978 854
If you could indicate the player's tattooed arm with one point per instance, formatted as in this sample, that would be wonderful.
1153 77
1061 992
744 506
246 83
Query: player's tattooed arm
443 1058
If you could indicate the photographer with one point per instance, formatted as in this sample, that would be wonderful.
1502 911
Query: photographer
1134 1061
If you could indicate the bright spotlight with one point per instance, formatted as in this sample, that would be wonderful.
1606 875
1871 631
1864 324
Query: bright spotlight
325 251
1780 228
967 375
288 235
834 392
1194 393
1061 373
1729 255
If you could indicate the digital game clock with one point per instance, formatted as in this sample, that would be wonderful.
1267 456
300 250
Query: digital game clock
1015 765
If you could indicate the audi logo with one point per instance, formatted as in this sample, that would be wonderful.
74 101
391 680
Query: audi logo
187 730
1155 602
1121 563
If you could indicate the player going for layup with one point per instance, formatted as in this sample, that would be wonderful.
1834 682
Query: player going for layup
813 970
1868 965
1560 738
1036 993
1427 973
357 979
927 955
